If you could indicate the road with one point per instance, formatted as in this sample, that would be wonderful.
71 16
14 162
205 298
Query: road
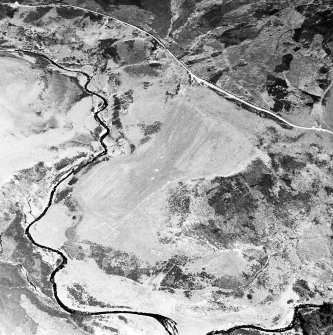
193 77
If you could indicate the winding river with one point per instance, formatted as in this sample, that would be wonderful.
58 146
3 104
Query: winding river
168 324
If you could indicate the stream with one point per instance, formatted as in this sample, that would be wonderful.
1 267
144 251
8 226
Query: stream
168 324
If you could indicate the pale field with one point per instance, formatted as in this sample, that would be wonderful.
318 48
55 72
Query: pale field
42 323
123 206
122 203
194 142
192 317
51 230
26 139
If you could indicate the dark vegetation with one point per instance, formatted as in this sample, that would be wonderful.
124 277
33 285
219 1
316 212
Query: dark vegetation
118 262
151 129
109 49
6 11
285 63
13 284
144 140
37 14
230 196
93 17
34 174
176 278
107 3
301 287
237 35
174 93
80 320
116 112
318 321
277 88
317 21
307 321
25 254
81 296
68 161
259 176
214 77
288 163
10 276
186 9
120 105
236 199
69 13
179 200
214 16
141 70
267 9
159 8
63 194
215 234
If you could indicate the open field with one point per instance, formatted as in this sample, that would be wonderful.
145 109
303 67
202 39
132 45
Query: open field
193 208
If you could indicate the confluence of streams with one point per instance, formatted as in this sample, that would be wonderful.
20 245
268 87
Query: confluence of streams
168 324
